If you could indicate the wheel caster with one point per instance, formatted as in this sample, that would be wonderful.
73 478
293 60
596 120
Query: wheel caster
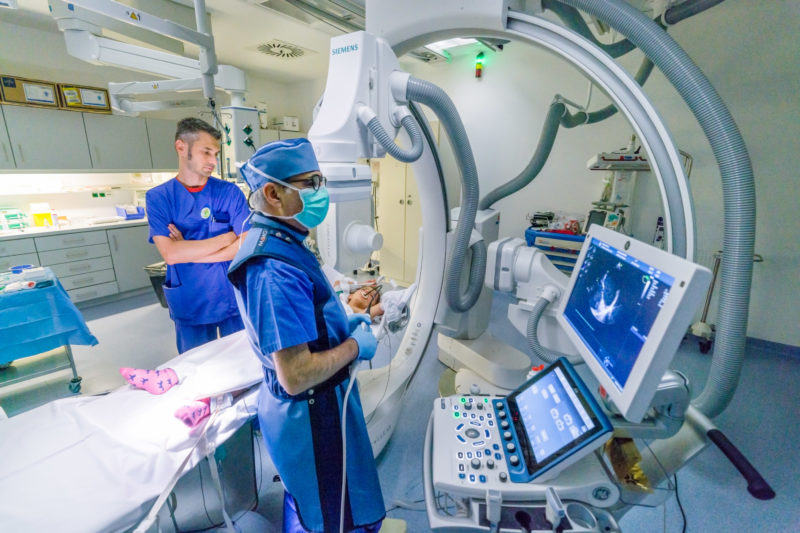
705 346
75 385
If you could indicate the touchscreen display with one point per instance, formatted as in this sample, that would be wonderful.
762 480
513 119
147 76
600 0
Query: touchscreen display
553 416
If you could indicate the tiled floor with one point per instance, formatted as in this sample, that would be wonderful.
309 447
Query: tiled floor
761 420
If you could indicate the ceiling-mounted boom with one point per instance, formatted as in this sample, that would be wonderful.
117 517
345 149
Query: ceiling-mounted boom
82 22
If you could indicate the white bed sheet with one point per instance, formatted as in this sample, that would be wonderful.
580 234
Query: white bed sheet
97 463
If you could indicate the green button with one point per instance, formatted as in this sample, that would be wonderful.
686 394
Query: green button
463 400
456 414
247 130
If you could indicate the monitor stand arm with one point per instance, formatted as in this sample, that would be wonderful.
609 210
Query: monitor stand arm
666 414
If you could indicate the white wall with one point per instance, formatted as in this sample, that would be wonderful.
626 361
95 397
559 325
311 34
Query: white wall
749 52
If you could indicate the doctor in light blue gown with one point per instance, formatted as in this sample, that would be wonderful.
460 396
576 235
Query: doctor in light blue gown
299 330
195 221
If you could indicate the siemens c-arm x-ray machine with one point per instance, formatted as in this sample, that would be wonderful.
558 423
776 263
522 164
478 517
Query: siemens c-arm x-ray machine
368 100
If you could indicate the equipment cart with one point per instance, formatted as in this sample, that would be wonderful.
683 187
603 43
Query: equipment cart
40 321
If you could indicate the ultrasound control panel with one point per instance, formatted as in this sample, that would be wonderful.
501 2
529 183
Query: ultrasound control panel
468 446
493 442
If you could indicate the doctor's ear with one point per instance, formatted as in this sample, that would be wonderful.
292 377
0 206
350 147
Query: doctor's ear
272 194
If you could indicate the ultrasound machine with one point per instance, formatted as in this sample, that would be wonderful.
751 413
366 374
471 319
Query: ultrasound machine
533 460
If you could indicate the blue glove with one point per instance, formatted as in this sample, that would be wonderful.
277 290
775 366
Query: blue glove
367 343
356 319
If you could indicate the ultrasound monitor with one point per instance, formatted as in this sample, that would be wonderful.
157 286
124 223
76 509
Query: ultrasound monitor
626 309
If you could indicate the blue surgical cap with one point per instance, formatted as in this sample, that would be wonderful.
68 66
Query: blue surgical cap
280 160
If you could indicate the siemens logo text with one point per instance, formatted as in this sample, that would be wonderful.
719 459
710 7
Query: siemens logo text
344 49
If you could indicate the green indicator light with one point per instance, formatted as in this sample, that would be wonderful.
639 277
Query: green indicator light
486 400
456 414
463 400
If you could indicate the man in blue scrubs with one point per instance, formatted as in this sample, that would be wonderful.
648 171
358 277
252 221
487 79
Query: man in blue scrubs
298 328
195 221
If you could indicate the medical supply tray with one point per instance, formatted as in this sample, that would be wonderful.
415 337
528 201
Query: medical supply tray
561 248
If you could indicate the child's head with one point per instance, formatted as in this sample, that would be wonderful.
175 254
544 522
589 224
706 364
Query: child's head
364 297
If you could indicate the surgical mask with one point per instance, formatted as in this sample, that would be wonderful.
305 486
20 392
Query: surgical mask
315 202
315 206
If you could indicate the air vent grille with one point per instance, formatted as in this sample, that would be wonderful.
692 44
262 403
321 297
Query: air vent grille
281 49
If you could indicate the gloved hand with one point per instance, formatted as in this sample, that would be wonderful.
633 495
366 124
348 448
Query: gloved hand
356 319
367 343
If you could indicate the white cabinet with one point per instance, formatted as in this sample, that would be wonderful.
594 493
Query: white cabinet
17 252
117 143
81 261
47 138
6 156
131 252
399 216
161 136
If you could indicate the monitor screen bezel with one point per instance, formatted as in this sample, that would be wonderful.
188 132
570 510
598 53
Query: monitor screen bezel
601 423
671 324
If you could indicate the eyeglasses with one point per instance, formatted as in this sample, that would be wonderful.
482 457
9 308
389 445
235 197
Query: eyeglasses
314 182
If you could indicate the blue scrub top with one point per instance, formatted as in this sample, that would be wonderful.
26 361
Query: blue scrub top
198 293
280 305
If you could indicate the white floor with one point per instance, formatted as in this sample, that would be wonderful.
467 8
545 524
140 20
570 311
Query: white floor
761 421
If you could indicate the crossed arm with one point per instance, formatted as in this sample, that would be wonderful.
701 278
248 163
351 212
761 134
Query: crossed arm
174 249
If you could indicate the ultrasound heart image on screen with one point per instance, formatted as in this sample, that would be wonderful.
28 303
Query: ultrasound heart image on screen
604 302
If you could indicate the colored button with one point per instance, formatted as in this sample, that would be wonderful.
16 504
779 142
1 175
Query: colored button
462 439
462 476
482 478
471 432
486 432
472 478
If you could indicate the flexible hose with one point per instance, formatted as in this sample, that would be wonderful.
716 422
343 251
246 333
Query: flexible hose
570 120
573 20
545 354
738 190
385 140
432 96
688 9
546 139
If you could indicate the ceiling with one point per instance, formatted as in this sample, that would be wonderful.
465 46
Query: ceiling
239 27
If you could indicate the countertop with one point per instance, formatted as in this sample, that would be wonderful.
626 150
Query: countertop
41 232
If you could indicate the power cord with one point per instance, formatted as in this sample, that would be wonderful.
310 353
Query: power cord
680 505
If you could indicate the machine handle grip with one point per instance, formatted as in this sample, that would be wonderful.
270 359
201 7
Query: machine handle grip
756 485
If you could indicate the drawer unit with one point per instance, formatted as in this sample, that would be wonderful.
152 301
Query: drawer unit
68 255
70 240
94 291
14 260
81 267
17 247
82 261
86 280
